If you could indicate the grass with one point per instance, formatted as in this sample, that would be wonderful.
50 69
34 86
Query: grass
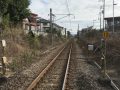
23 49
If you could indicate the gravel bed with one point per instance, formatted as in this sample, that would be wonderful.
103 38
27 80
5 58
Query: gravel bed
53 79
22 79
83 75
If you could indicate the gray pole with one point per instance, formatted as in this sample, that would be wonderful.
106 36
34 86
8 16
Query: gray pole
100 19
103 15
65 33
105 39
51 25
93 23
113 18
78 27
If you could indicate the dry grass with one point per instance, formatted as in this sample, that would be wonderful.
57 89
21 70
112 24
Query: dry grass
113 52
21 48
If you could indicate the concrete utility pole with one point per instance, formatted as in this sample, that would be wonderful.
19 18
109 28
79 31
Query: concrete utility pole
100 17
78 27
65 33
100 20
103 15
113 17
104 55
51 26
78 31
93 23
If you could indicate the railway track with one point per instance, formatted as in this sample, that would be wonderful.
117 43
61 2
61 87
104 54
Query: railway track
63 73
69 70
54 76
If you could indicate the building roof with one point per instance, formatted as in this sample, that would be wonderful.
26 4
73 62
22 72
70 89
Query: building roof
57 25
42 20
34 14
32 24
109 18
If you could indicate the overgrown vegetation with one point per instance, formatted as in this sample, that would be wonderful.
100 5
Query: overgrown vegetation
13 11
112 47
22 49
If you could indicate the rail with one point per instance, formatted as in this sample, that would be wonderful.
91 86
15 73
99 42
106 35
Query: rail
111 81
34 83
67 69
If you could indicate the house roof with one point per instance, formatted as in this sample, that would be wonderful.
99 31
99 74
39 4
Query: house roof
109 18
42 20
32 24
57 25
33 14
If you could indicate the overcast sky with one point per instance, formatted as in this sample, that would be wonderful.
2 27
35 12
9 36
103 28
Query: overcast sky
85 11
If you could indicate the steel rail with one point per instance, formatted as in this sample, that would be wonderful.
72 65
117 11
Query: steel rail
111 81
36 80
67 69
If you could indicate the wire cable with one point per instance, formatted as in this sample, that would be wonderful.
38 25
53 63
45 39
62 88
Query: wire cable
67 5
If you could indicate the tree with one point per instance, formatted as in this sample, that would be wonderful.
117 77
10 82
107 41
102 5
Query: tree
17 10
68 33
3 6
4 19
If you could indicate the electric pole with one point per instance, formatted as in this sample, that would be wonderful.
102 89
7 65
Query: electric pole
51 26
103 15
93 23
100 18
78 27
113 16
65 33
104 54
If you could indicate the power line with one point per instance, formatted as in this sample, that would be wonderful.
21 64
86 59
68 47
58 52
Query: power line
67 6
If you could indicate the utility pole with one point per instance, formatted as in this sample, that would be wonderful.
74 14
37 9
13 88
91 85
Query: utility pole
100 20
113 17
65 33
104 53
78 31
51 26
105 40
93 23
103 15
78 27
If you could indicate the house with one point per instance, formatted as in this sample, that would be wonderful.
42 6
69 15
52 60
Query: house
109 23
45 26
30 23
64 32
38 25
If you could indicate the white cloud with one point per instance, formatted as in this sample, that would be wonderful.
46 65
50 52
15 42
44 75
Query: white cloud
85 11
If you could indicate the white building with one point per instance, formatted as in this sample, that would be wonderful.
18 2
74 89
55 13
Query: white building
39 26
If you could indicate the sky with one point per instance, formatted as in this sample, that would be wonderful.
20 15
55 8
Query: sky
84 12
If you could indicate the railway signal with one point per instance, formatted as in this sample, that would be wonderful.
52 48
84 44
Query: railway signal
106 35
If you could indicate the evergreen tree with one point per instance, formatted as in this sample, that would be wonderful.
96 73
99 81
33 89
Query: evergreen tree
16 9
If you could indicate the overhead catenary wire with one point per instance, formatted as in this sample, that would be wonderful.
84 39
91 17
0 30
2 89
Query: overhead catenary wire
67 5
